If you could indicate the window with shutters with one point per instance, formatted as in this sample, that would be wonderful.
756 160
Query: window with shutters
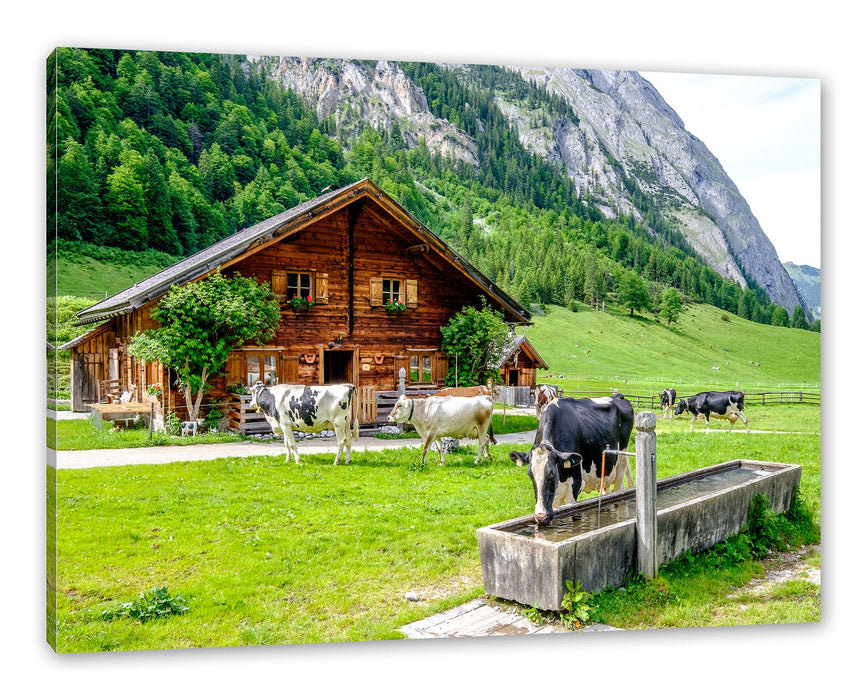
303 284
393 290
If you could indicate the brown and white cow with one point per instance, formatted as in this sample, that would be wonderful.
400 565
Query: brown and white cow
543 397
446 416
308 409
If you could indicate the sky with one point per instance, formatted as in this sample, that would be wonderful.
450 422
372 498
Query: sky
766 133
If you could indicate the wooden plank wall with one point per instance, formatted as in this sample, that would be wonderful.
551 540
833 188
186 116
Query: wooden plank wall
379 249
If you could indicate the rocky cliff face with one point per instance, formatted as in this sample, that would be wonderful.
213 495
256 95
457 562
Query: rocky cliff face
623 129
807 280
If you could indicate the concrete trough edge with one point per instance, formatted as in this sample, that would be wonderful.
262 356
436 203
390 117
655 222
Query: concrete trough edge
533 572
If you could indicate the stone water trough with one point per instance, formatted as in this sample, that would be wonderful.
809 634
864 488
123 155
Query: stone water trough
596 542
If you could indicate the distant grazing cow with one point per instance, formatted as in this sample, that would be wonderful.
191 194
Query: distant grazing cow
479 390
544 396
308 409
714 404
668 398
446 416
566 457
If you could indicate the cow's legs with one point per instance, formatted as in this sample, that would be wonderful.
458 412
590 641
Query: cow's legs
426 447
621 469
344 441
291 447
483 446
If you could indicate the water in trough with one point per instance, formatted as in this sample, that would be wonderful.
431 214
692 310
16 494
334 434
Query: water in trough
585 521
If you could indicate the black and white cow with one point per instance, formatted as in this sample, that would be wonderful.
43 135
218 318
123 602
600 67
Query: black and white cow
308 409
668 398
447 416
566 457
714 404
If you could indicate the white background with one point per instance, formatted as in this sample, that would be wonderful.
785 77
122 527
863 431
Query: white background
735 37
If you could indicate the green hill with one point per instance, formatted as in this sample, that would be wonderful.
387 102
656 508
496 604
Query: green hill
590 350
79 269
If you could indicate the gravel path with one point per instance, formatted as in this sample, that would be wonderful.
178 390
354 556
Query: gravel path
81 459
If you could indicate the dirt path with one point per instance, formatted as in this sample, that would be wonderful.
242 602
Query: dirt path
81 459
785 566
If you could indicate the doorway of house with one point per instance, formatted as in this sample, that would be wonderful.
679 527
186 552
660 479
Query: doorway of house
338 366
513 377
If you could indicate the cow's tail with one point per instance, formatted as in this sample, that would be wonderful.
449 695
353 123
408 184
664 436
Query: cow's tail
353 400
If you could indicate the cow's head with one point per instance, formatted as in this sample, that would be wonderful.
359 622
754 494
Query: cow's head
547 468
681 406
402 411
263 400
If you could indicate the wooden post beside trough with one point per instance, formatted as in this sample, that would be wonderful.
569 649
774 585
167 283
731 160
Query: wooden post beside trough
645 487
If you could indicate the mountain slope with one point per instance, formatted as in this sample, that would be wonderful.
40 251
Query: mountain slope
807 280
625 149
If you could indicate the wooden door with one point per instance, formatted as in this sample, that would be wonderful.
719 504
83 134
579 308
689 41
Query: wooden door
86 372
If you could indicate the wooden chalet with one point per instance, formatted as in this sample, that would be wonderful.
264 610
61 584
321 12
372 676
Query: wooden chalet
353 251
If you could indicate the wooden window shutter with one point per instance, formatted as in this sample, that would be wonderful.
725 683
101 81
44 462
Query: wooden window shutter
278 284
235 369
412 294
321 290
441 367
375 291
289 368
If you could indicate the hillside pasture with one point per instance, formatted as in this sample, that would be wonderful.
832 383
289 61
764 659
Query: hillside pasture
591 350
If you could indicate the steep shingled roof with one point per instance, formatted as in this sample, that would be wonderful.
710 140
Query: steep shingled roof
249 239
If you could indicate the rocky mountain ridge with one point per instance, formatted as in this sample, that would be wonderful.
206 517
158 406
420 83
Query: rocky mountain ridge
618 137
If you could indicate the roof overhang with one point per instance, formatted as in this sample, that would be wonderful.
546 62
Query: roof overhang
255 238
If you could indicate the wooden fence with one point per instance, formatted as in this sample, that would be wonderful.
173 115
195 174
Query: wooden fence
243 419
752 399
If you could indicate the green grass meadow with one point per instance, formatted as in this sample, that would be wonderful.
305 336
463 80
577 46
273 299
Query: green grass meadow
603 351
262 552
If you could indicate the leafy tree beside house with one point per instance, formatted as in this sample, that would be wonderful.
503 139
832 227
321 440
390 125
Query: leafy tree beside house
475 340
201 323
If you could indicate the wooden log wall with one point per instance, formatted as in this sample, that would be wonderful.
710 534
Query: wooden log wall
356 246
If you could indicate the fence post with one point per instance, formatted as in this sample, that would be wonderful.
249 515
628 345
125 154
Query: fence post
645 478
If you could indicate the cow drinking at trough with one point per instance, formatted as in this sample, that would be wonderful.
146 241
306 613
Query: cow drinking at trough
308 409
566 457
667 399
714 404
446 416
